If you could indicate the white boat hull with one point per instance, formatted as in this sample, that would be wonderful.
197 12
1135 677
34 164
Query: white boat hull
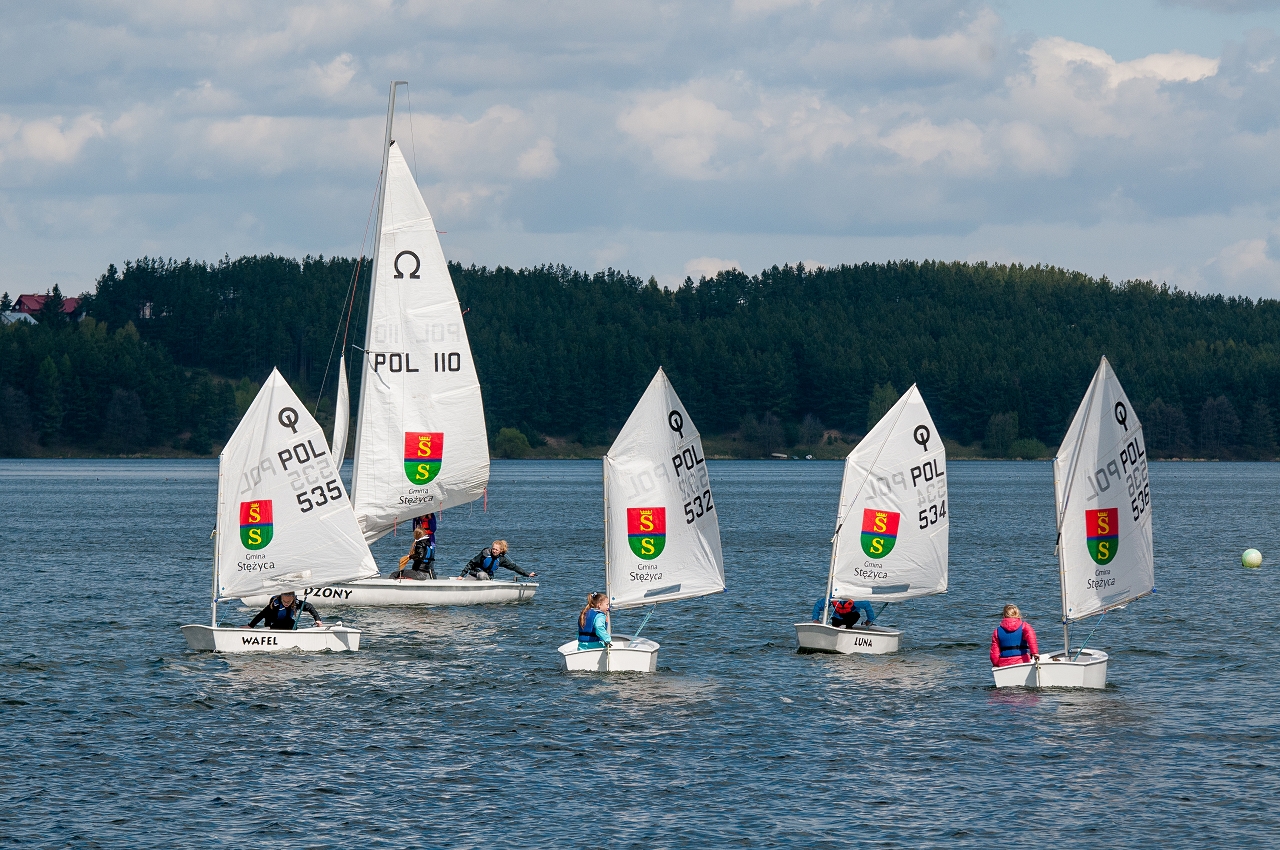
1056 671
337 638
869 640
628 655
386 592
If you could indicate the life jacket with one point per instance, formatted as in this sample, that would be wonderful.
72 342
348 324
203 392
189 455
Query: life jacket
283 616
843 607
587 631
490 563
1012 643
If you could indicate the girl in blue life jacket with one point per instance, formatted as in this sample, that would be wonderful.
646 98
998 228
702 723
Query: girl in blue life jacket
593 623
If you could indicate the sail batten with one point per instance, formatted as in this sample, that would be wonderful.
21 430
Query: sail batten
662 535
421 445
284 519
1103 498
892 530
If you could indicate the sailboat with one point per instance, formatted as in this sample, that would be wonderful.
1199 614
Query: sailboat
284 522
421 445
1105 558
661 534
892 528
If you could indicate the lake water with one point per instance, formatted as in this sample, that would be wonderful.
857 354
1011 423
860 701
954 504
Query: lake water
455 727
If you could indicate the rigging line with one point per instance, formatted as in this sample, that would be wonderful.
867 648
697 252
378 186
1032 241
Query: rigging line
874 461
412 146
348 302
1091 631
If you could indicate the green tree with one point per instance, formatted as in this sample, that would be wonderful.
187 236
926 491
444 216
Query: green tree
1219 427
811 430
883 397
511 443
1002 430
1260 431
48 400
6 303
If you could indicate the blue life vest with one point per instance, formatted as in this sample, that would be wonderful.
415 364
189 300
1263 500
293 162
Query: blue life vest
587 631
282 613
490 564
1012 643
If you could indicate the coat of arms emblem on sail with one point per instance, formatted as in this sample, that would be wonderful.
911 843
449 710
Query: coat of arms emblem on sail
879 532
256 526
1102 528
423 454
647 531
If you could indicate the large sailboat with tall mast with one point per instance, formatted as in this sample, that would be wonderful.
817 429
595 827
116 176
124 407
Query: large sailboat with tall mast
421 444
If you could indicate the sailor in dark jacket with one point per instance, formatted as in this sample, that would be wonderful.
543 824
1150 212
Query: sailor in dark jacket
483 566
282 612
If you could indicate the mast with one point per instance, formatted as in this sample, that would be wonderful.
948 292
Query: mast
831 574
1062 512
604 462
217 554
373 271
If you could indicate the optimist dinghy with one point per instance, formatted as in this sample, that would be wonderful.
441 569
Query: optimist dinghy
421 445
895 490
284 522
662 537
1105 557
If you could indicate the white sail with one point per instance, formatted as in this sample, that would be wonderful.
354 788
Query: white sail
284 520
662 538
341 415
892 531
1104 503
421 443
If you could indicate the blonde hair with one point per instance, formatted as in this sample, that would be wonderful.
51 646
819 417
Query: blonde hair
419 533
593 599
499 547
1011 611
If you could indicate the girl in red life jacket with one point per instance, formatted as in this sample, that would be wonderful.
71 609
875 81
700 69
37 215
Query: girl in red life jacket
1013 641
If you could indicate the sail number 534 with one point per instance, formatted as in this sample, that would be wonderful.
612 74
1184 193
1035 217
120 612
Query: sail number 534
933 514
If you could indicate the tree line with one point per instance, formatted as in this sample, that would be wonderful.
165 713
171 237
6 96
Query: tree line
168 353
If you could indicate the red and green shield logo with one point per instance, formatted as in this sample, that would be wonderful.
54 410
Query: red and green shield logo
879 532
423 451
1102 528
255 523
647 531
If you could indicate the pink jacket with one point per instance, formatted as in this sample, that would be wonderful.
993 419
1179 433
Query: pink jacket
1010 624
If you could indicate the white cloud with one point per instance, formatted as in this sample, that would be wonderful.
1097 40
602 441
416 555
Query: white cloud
333 79
700 267
958 146
539 160
682 131
47 140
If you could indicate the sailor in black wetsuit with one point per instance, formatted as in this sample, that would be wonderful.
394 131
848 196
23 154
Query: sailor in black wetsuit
423 556
483 566
282 612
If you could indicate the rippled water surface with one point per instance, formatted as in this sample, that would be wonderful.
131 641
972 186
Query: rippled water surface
455 728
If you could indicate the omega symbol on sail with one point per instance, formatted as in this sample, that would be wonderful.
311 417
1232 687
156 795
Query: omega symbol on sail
423 454
255 523
647 531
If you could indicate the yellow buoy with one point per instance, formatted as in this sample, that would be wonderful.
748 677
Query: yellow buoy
1251 558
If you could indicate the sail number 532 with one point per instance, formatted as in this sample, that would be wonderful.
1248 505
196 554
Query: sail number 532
932 514
697 506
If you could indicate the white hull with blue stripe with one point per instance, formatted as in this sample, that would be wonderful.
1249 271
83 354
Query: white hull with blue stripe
336 638
627 655
392 592
868 640
1086 669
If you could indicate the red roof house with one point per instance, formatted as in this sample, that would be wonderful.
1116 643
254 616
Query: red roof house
31 304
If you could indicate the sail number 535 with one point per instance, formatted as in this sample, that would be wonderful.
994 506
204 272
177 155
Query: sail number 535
319 496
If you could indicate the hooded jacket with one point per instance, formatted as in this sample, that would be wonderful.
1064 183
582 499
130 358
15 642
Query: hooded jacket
1013 624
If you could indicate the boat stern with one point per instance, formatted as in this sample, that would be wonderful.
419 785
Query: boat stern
866 640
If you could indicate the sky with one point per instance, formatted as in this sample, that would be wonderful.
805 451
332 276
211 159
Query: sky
1137 139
